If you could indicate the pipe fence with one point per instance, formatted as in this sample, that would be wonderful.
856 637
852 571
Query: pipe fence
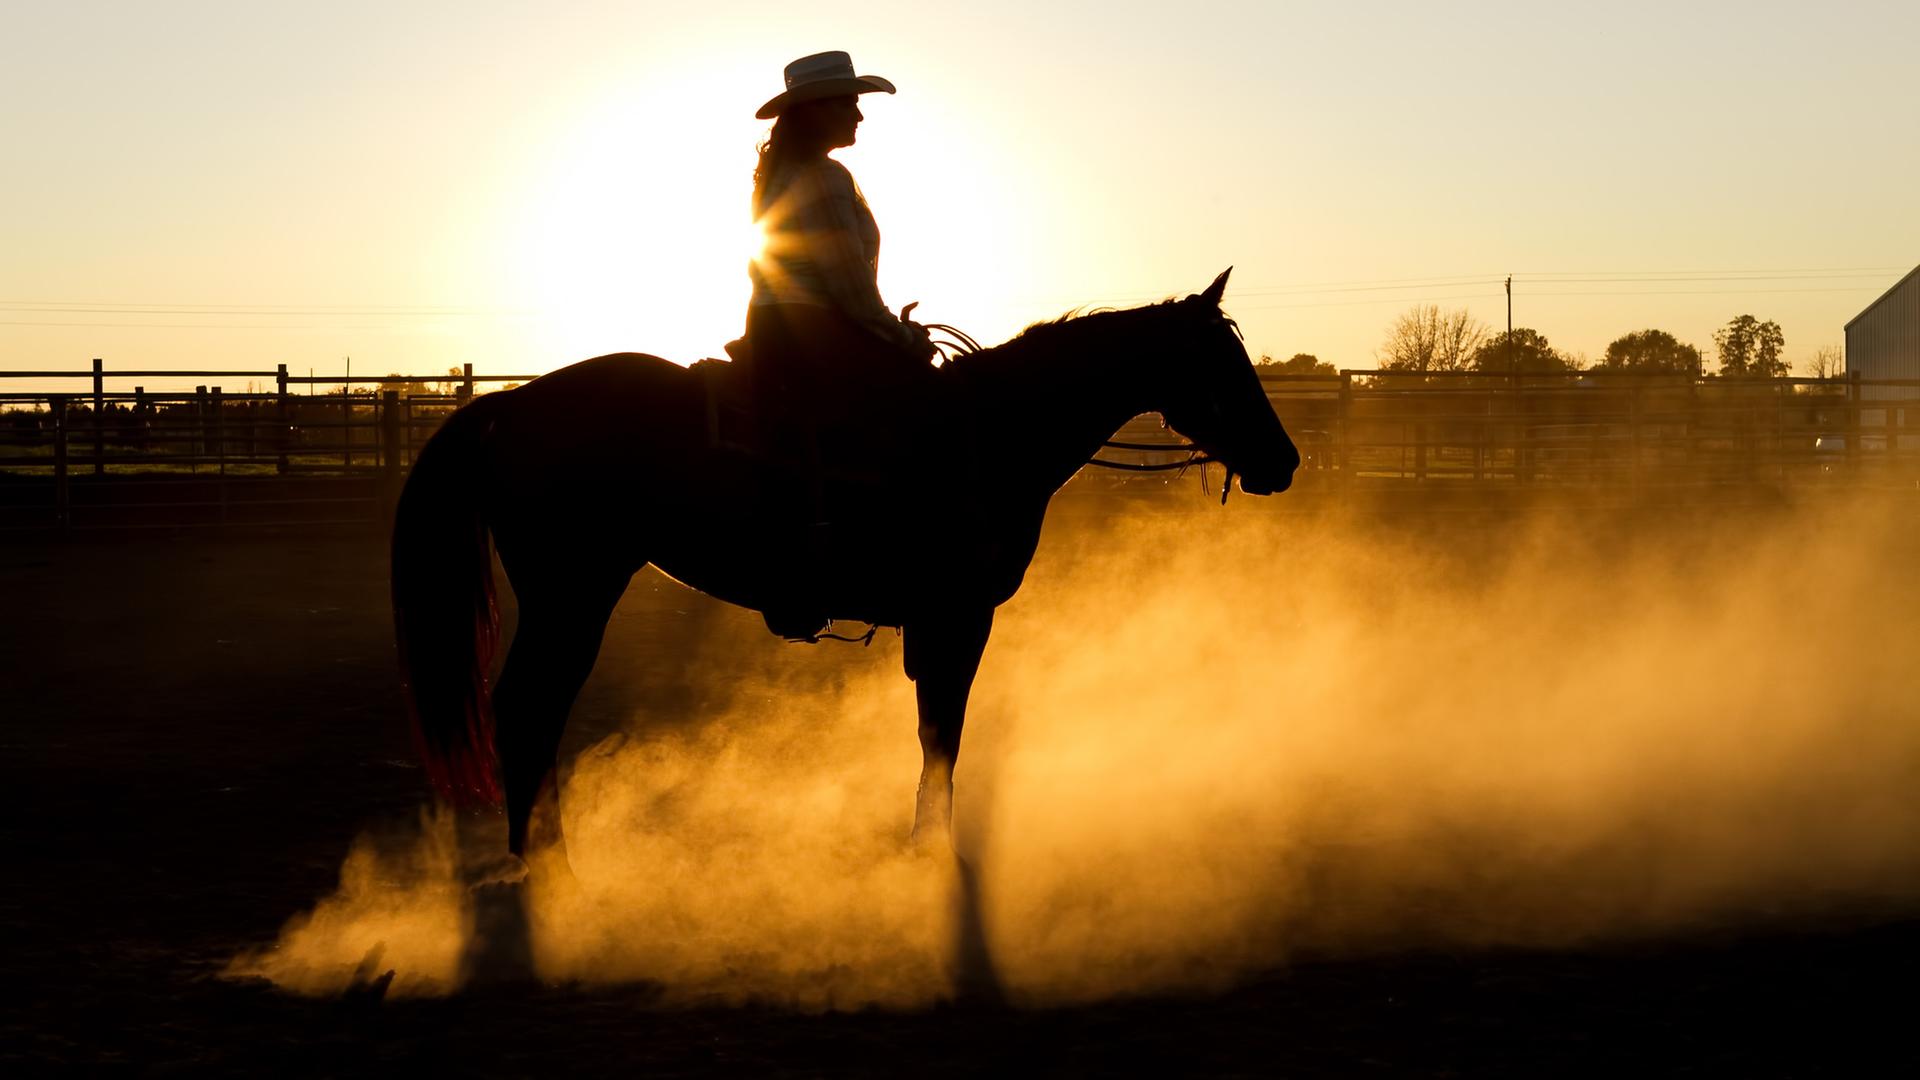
92 451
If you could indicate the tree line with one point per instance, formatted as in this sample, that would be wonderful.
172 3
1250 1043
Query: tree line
1427 339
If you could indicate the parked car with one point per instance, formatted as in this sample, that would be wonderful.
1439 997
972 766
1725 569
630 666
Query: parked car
1837 444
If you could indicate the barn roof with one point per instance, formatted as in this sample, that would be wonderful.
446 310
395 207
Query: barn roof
1883 296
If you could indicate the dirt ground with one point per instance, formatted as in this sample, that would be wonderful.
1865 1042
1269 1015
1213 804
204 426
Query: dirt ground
195 728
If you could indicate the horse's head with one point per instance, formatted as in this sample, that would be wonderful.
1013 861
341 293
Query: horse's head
1211 395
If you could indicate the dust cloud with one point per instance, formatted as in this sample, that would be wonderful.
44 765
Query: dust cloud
1203 743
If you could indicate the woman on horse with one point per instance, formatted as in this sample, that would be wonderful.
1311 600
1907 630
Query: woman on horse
821 342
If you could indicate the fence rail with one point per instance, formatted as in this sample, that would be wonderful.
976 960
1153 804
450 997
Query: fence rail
211 457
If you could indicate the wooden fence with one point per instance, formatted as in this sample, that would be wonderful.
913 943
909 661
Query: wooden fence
1599 428
96 449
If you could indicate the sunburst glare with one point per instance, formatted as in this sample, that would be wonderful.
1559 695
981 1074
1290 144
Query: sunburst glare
637 233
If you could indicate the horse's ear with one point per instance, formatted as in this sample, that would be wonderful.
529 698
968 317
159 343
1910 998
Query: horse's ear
1218 289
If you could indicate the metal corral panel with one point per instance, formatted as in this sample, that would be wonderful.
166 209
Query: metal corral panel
1883 341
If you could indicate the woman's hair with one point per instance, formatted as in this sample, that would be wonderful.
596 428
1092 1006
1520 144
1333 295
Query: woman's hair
796 136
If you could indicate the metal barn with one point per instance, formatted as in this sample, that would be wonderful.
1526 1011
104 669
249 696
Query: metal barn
1883 341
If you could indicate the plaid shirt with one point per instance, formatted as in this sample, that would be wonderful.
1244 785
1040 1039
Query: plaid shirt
822 247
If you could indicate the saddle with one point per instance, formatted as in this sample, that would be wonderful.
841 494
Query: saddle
730 412
867 444
827 479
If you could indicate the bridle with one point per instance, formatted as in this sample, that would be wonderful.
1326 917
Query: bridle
960 343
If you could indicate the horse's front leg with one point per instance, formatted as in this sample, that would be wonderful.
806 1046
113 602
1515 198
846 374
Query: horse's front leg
942 655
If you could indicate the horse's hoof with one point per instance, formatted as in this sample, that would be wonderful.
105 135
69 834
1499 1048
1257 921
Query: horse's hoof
368 988
499 951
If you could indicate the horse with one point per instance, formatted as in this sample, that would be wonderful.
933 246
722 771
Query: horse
586 475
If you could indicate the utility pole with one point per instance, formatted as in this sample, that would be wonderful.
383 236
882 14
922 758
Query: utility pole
346 417
1513 378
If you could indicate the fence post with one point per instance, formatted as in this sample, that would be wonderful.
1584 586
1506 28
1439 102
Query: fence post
1853 422
201 446
217 426
284 428
62 496
1690 437
99 418
1481 432
1633 436
217 429
1749 435
390 436
1343 425
1519 428
1776 442
1419 451
466 383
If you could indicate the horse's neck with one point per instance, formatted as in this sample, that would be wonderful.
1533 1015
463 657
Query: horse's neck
1067 396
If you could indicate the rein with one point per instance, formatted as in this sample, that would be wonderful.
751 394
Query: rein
962 344
1197 457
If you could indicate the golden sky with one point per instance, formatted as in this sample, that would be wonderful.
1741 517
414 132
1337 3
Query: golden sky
230 186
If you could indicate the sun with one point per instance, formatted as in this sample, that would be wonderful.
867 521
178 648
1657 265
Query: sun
637 234
636 230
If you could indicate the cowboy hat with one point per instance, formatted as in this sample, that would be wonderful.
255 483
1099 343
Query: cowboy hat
822 75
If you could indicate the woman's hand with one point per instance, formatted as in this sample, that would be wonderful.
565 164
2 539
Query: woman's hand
919 342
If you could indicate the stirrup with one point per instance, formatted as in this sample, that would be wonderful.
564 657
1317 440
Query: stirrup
795 624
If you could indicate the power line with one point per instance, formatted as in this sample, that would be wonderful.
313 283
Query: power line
1555 277
1358 303
1708 292
84 308
218 326
1698 280
1724 272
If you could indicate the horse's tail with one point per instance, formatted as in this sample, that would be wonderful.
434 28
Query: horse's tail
443 607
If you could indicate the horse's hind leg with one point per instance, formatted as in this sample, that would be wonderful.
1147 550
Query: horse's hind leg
554 647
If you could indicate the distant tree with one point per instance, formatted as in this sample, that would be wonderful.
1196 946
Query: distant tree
1827 361
1427 339
1653 351
1298 364
410 388
1751 347
1530 355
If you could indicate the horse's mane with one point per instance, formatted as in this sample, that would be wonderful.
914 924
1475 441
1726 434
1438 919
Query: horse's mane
1047 333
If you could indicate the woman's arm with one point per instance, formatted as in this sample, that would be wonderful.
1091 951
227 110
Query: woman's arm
832 217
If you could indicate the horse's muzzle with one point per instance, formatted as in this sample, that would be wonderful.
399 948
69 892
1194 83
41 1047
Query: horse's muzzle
1267 485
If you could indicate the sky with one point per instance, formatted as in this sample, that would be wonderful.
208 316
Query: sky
229 186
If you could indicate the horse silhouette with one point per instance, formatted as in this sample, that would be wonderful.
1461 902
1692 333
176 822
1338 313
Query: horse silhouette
586 475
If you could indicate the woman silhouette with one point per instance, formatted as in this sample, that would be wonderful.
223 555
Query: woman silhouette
822 343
